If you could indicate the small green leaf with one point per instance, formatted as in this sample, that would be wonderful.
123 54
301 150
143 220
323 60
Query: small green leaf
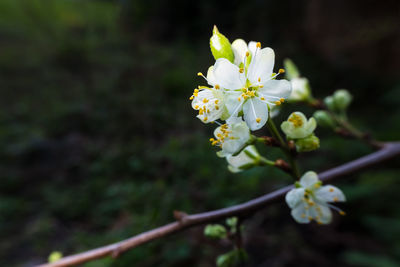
215 231
232 258
54 256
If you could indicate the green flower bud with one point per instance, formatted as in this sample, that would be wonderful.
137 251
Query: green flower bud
232 258
309 143
215 231
55 256
324 119
291 69
342 99
330 103
220 46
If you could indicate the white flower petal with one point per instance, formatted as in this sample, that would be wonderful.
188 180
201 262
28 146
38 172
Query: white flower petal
261 65
210 76
310 126
300 213
273 90
236 162
255 113
330 193
294 197
227 75
321 213
239 48
308 180
252 47
232 102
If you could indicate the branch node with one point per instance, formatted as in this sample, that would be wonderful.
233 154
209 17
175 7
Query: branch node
180 215
270 141
283 165
116 252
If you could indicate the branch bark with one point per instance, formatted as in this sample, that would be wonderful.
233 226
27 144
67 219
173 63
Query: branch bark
387 151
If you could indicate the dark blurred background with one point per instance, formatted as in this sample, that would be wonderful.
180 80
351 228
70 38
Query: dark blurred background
98 141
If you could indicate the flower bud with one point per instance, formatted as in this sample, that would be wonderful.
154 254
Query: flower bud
301 90
342 99
324 119
291 69
330 103
215 231
309 143
220 46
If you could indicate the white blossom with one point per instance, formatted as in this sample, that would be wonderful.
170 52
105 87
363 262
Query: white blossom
300 89
246 158
297 126
231 137
253 88
310 200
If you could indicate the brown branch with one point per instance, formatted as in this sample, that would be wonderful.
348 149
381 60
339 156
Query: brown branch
387 151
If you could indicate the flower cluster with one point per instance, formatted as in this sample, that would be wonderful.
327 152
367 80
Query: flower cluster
310 200
241 86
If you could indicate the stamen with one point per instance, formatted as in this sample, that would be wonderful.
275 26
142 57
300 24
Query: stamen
258 45
247 54
217 86
281 71
278 103
241 70
258 120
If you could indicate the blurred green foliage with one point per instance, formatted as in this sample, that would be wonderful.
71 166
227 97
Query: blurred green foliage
98 140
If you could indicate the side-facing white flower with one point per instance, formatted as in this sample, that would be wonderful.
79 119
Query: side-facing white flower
247 158
309 200
208 101
231 137
253 88
300 89
297 126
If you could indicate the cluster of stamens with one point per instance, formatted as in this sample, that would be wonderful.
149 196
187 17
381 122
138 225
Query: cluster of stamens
221 136
308 199
208 103
296 120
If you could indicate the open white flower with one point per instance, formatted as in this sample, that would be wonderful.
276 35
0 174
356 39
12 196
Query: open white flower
300 89
251 88
231 137
309 200
208 101
247 158
297 126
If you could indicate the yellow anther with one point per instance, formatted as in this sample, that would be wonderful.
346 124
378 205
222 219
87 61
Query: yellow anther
201 112
216 101
303 215
196 107
262 98
205 100
200 74
282 100
239 99
297 121
241 70
278 103
216 107
310 218
281 71
331 189
219 135
196 90
247 54
212 139
317 185
258 45
335 199
205 119
261 86
244 90
217 86
191 98
259 79
342 213
311 203
258 120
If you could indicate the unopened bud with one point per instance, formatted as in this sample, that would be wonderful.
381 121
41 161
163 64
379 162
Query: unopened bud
324 119
220 46
309 143
342 99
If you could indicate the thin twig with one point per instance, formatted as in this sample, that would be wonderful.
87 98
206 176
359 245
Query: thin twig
388 151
